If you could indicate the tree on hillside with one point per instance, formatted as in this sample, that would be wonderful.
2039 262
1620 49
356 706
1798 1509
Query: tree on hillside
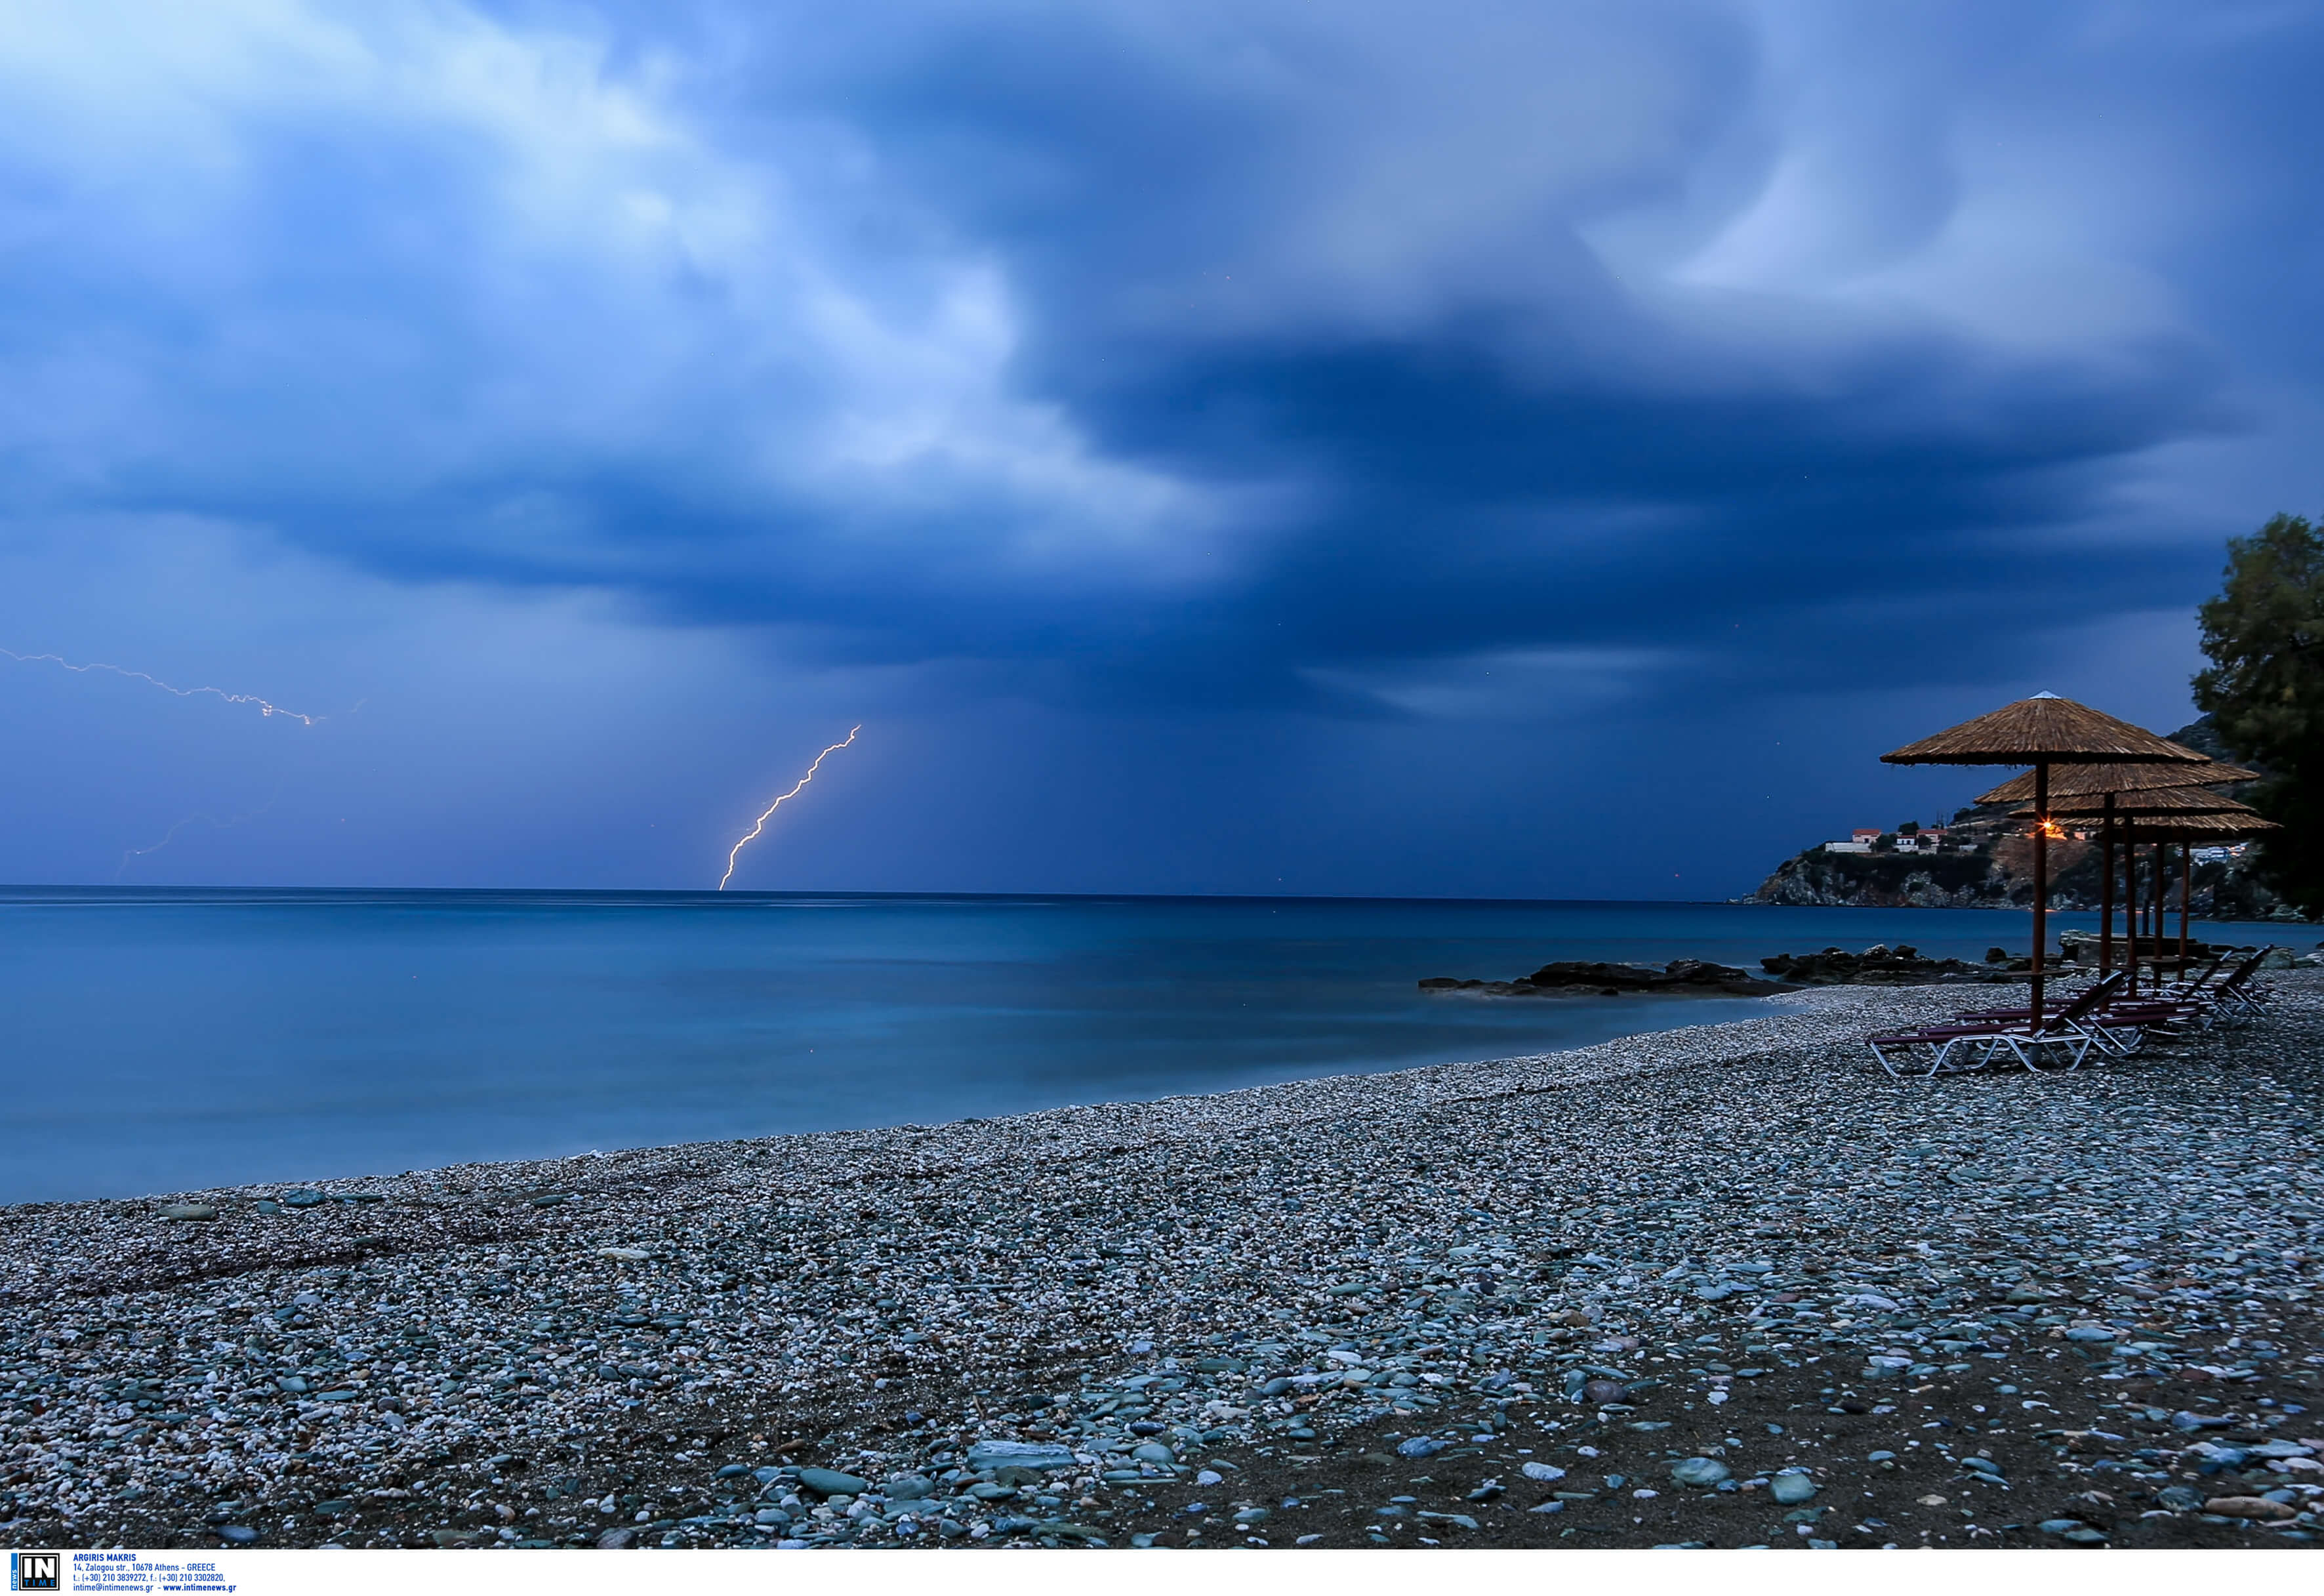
2265 692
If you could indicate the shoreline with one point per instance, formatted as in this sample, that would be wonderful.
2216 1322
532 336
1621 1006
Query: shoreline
499 1033
570 1352
1123 1113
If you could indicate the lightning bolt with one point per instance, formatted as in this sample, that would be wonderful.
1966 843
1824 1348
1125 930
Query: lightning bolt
263 707
212 821
735 851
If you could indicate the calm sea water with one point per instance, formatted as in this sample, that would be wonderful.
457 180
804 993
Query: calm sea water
162 1040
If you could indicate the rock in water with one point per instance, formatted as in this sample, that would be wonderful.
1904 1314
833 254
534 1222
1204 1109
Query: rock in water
1875 966
1678 975
1613 980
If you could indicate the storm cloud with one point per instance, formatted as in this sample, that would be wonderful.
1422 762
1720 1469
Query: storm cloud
1367 364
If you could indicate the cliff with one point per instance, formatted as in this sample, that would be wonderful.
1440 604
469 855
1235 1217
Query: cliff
1886 881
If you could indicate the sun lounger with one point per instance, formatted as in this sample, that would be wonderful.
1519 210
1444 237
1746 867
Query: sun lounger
2205 1001
2198 987
2216 999
1983 1041
2244 993
2115 1023
2105 991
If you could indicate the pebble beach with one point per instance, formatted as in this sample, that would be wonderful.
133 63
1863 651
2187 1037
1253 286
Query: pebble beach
1723 1286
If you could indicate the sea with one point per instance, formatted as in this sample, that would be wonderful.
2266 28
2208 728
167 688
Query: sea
167 1040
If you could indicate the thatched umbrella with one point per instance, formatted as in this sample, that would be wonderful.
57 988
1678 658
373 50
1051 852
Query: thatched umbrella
2159 801
2097 780
2157 806
2186 830
2042 731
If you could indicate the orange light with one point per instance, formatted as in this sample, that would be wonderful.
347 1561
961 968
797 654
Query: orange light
2051 828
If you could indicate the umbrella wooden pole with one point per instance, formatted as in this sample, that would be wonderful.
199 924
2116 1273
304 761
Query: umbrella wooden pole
2106 890
2041 880
2130 910
2139 909
2135 885
2154 920
2186 897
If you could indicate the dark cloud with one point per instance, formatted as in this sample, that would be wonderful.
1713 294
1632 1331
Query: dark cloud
1374 361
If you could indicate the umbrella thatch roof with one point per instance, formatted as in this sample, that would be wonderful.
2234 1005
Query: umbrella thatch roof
2196 829
2044 727
2162 800
2081 781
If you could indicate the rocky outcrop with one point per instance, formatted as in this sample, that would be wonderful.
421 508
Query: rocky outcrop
1880 966
2083 947
1816 879
1571 976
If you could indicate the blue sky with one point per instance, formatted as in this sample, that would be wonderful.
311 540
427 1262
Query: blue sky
1504 450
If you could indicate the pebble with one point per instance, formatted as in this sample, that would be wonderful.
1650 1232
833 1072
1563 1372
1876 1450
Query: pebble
1031 1315
2249 1506
1019 1455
